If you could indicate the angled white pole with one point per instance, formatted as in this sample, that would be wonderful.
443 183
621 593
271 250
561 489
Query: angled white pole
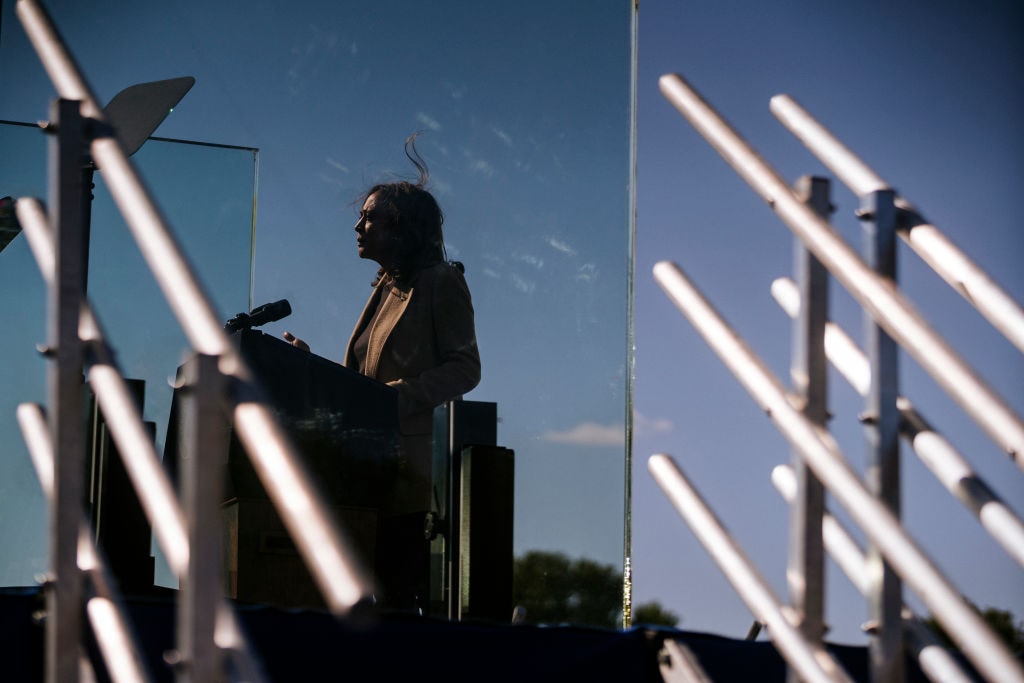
808 658
105 609
142 463
326 551
822 454
935 661
875 294
938 251
935 451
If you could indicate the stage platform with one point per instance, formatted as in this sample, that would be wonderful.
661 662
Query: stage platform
307 645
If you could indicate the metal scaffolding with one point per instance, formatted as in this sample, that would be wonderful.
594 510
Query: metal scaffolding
819 468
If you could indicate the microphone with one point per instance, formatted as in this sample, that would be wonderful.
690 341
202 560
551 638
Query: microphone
267 313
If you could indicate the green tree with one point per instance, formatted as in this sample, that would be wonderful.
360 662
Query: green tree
1002 623
653 614
557 590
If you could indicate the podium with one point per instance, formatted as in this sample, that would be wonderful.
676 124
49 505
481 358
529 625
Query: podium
345 427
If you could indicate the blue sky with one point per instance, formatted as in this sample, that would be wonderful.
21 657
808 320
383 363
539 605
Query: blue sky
927 93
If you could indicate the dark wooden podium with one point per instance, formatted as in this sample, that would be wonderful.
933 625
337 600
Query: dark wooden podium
345 427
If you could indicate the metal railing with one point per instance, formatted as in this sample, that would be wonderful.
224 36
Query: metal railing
211 644
819 467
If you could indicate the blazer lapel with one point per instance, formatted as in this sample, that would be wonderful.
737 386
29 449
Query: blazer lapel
393 304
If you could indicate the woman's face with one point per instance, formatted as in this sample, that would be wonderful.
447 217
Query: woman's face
375 236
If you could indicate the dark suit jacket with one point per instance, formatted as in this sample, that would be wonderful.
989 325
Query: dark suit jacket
423 343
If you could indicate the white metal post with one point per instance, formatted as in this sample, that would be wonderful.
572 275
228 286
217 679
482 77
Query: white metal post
888 306
327 552
204 436
945 258
64 596
810 659
881 422
809 371
822 454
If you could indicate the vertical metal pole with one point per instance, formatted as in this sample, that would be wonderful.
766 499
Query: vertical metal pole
881 419
809 371
205 441
64 596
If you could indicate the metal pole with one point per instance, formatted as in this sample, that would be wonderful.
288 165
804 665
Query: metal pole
808 658
205 439
886 305
105 608
938 455
64 594
134 443
809 371
962 274
822 454
326 551
935 661
881 425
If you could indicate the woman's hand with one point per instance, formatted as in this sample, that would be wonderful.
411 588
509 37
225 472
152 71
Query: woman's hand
295 341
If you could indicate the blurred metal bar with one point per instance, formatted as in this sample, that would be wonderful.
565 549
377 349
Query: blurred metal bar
134 443
881 427
809 659
962 274
140 458
105 609
941 458
328 554
823 456
203 458
805 572
678 664
64 377
886 305
935 660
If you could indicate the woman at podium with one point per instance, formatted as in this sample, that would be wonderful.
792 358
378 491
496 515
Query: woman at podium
416 334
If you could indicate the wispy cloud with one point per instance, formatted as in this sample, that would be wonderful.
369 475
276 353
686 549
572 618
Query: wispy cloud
587 272
559 245
523 285
645 426
482 167
609 435
427 120
589 434
532 259
456 92
338 165
502 135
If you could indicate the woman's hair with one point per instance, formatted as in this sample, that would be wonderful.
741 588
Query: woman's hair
416 216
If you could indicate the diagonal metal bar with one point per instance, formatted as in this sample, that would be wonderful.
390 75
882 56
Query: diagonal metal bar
823 456
938 251
809 659
877 295
105 609
934 450
141 460
935 661
326 551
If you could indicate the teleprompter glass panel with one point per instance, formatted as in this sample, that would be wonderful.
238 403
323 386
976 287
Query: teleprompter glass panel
523 111
207 193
